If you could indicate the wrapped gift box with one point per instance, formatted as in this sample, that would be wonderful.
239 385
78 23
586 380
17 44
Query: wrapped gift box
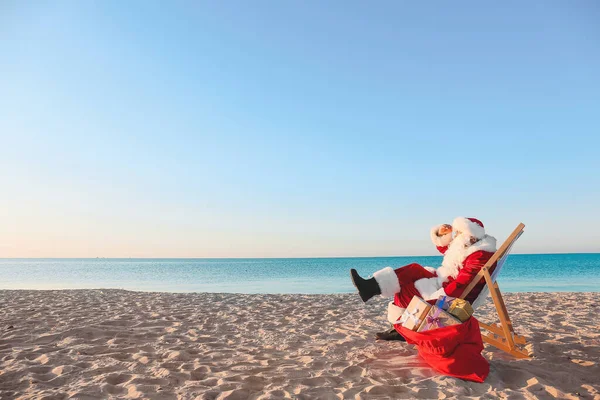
414 314
444 302
437 318
461 309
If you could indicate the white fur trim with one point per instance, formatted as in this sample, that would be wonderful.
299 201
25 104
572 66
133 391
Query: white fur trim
440 241
394 312
465 225
427 286
458 251
431 269
435 295
388 282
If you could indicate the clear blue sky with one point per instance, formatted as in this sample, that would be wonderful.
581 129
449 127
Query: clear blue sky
295 128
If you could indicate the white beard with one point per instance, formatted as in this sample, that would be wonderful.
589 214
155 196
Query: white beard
458 250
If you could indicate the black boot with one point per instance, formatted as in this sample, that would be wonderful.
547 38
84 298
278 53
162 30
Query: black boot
392 334
367 288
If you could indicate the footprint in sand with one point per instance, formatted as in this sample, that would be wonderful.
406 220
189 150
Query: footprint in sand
172 365
43 377
353 372
210 382
143 380
117 379
239 394
112 389
254 383
199 373
210 395
314 382
40 369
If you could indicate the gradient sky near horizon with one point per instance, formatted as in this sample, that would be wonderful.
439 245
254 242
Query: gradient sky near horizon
295 128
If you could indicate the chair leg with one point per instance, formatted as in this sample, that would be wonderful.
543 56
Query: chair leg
497 330
500 309
516 352
504 310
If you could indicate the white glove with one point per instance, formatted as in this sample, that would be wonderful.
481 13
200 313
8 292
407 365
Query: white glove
436 295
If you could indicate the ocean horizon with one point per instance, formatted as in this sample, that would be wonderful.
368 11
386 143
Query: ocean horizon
558 272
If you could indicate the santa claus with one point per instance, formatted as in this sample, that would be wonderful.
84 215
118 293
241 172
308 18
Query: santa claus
464 255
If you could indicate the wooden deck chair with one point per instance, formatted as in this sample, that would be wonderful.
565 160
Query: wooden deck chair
501 336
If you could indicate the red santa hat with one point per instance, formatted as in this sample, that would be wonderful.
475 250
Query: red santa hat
470 226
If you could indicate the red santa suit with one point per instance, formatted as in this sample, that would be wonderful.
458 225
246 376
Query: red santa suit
462 261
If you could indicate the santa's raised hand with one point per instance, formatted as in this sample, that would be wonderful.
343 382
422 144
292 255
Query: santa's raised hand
444 230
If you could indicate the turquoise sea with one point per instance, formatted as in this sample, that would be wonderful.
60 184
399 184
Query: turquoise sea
522 273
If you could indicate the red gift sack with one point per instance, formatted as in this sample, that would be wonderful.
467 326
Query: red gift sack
453 350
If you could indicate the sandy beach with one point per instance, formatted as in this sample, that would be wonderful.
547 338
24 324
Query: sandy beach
92 344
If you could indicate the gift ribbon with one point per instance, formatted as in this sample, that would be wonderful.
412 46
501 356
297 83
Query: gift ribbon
445 302
440 302
434 319
458 304
407 314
